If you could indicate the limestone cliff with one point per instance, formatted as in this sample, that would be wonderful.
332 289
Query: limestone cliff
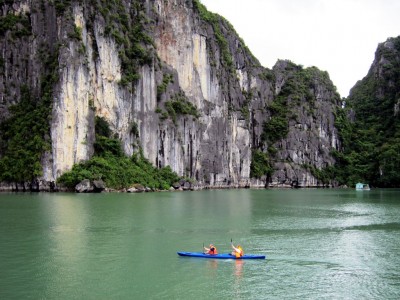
97 65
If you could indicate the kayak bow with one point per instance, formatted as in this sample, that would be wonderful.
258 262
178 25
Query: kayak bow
220 256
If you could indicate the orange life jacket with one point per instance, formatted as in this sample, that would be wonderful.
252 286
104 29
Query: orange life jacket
239 253
212 251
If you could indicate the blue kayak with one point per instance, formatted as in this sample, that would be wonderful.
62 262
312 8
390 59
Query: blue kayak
220 256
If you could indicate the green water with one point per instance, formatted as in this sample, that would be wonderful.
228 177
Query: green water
320 244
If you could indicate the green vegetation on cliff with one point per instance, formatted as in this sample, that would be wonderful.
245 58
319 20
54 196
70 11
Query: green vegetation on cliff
18 25
178 105
260 165
22 139
24 136
117 170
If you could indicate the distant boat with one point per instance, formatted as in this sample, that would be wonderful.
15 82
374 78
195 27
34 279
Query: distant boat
362 186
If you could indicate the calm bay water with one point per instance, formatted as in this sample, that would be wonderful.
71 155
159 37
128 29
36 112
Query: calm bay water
320 244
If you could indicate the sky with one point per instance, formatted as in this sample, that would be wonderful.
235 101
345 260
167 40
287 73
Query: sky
337 36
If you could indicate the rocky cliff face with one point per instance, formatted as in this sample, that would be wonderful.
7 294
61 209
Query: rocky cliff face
193 58
311 99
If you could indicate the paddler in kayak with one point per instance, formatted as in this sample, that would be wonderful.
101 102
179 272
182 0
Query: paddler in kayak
237 251
212 250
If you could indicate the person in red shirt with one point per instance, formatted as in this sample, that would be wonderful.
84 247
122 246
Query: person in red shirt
212 250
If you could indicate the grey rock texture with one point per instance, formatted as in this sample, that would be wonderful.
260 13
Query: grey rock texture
85 186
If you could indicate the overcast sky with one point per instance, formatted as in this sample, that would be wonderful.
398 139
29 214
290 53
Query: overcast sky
338 36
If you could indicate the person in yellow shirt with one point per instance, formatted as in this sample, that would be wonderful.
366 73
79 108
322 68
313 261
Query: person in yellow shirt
237 251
